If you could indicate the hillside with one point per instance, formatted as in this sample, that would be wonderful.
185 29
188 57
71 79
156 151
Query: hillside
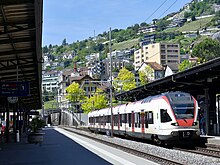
196 25
129 38
125 44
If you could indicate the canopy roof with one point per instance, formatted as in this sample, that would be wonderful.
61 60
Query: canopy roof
193 80
20 47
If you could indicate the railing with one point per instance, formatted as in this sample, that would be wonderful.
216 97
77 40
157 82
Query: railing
76 119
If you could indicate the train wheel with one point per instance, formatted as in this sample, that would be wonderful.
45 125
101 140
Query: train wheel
157 140
108 133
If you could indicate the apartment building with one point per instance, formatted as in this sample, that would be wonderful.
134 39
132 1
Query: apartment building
50 81
117 65
161 53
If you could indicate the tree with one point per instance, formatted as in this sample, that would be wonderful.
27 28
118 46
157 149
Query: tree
67 63
75 93
146 74
143 24
185 65
206 50
193 18
125 79
98 101
45 49
64 43
162 24
129 67
50 47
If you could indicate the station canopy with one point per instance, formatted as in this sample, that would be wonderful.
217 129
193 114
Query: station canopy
20 48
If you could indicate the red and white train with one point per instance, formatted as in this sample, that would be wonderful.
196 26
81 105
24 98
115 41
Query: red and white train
169 117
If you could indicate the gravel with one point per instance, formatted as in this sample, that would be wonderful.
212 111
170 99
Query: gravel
179 156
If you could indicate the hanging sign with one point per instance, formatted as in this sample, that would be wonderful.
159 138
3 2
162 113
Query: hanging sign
16 89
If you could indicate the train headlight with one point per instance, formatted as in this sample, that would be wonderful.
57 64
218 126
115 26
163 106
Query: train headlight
175 124
174 133
194 123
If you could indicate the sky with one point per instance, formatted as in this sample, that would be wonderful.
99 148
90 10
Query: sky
79 19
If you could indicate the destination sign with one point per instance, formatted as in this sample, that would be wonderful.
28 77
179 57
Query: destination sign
17 89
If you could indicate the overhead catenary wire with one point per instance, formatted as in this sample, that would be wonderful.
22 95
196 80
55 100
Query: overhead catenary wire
168 8
155 10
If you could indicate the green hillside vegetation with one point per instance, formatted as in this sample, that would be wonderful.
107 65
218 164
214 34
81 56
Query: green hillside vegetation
125 44
195 25
128 38
50 104
171 30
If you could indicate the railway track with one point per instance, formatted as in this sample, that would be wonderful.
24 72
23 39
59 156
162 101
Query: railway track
142 154
202 151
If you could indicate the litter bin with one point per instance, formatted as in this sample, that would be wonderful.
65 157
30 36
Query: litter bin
17 136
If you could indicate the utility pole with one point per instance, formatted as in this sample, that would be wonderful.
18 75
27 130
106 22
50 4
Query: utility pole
110 50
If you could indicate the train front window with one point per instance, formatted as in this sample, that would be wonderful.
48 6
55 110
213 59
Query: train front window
183 111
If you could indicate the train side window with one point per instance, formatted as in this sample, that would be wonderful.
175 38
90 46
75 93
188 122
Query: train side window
146 119
129 119
115 120
109 119
139 120
104 120
120 115
150 118
96 120
135 119
164 116
124 118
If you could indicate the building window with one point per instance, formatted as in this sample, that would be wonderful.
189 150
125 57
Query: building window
163 51
86 81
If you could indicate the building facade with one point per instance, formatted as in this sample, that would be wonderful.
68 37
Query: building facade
50 81
161 53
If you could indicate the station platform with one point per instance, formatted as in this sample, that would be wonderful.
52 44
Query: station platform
211 141
56 149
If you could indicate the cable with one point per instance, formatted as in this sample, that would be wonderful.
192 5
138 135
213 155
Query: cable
168 8
153 55
156 10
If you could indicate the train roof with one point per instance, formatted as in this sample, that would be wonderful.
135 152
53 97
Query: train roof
170 95
173 97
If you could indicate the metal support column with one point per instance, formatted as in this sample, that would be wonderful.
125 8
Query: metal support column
7 122
218 115
206 106
110 49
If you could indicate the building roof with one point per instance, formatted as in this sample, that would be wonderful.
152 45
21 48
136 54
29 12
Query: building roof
174 67
67 72
192 80
155 66
20 46
78 78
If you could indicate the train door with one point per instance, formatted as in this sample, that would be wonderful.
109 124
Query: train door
119 121
149 121
142 121
132 121
100 123
156 118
